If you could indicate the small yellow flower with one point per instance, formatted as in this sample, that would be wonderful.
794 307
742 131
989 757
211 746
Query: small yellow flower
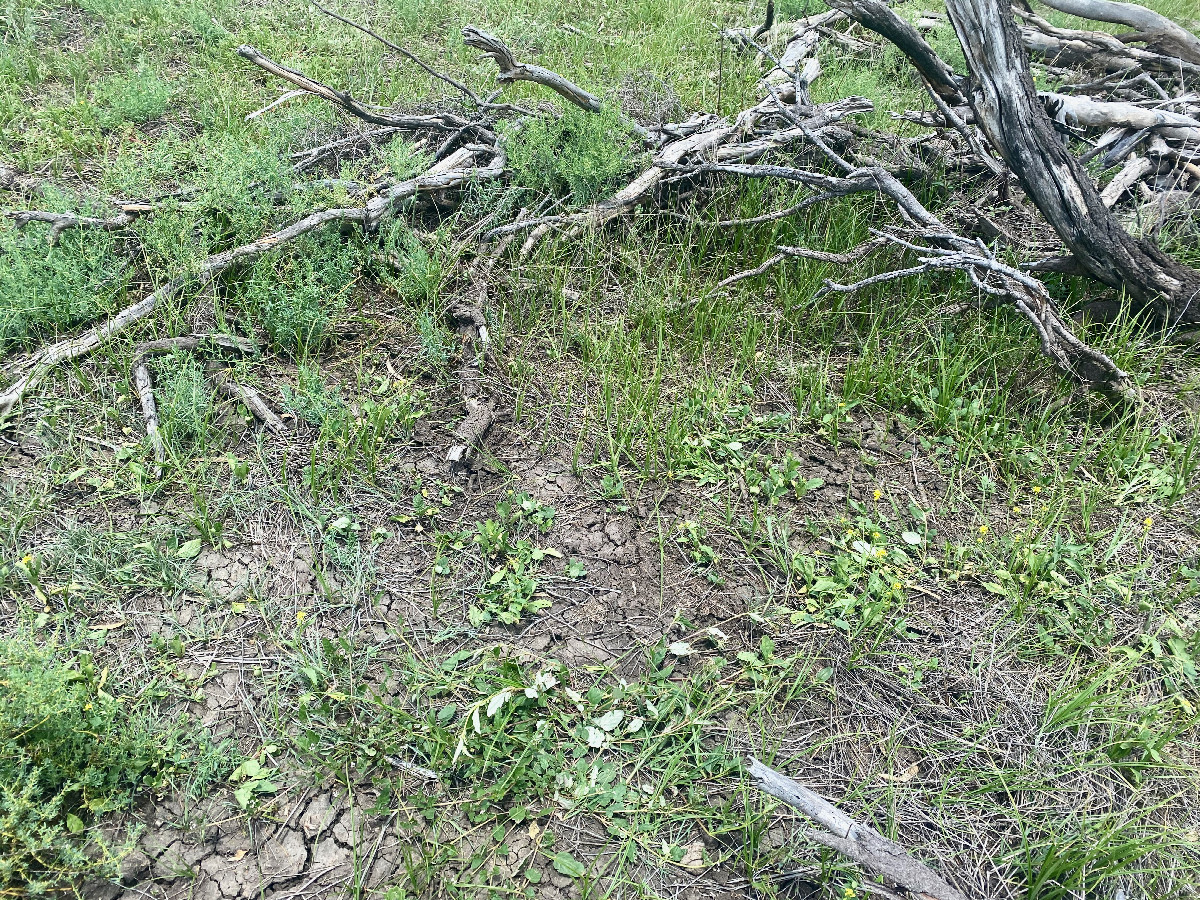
875 535
878 494
881 553
983 529
1037 488
86 707
1016 510
896 586
1148 522
301 615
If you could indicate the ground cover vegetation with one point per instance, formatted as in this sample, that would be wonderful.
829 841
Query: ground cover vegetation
467 543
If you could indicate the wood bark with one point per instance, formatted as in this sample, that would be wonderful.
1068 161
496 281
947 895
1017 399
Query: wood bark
1008 109
1150 27
878 16
860 843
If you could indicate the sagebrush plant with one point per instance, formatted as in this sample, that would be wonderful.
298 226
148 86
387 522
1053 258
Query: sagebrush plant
580 154
70 752
45 290
296 294
137 97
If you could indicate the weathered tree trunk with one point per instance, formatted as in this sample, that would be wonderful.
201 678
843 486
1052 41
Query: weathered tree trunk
878 16
1006 106
1152 28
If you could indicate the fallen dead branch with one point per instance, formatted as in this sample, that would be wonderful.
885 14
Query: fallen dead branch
1151 28
453 171
860 843
1010 113
60 222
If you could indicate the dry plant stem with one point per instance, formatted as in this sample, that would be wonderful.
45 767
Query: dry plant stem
1008 109
860 843
145 391
60 222
454 171
442 121
253 401
1152 28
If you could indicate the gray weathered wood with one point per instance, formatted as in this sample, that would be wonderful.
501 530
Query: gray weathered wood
1008 109
860 843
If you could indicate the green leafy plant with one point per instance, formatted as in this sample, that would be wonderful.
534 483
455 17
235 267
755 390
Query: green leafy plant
69 752
578 153
47 290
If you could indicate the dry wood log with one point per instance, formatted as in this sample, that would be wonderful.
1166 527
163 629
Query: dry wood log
60 222
1151 28
454 171
860 843
1135 169
1008 109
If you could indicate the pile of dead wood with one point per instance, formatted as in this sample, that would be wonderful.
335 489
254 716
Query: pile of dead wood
1124 99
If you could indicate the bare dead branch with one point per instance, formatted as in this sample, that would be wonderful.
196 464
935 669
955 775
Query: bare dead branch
1150 27
407 54
511 70
860 843
442 121
1010 113
454 171
878 17
60 222
252 400
144 388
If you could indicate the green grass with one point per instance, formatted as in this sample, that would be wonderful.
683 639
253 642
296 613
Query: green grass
1006 599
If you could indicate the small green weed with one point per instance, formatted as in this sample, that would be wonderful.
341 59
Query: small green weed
44 291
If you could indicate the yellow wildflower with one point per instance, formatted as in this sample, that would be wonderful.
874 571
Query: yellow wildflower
878 494
1037 488
301 615
983 529
1148 522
